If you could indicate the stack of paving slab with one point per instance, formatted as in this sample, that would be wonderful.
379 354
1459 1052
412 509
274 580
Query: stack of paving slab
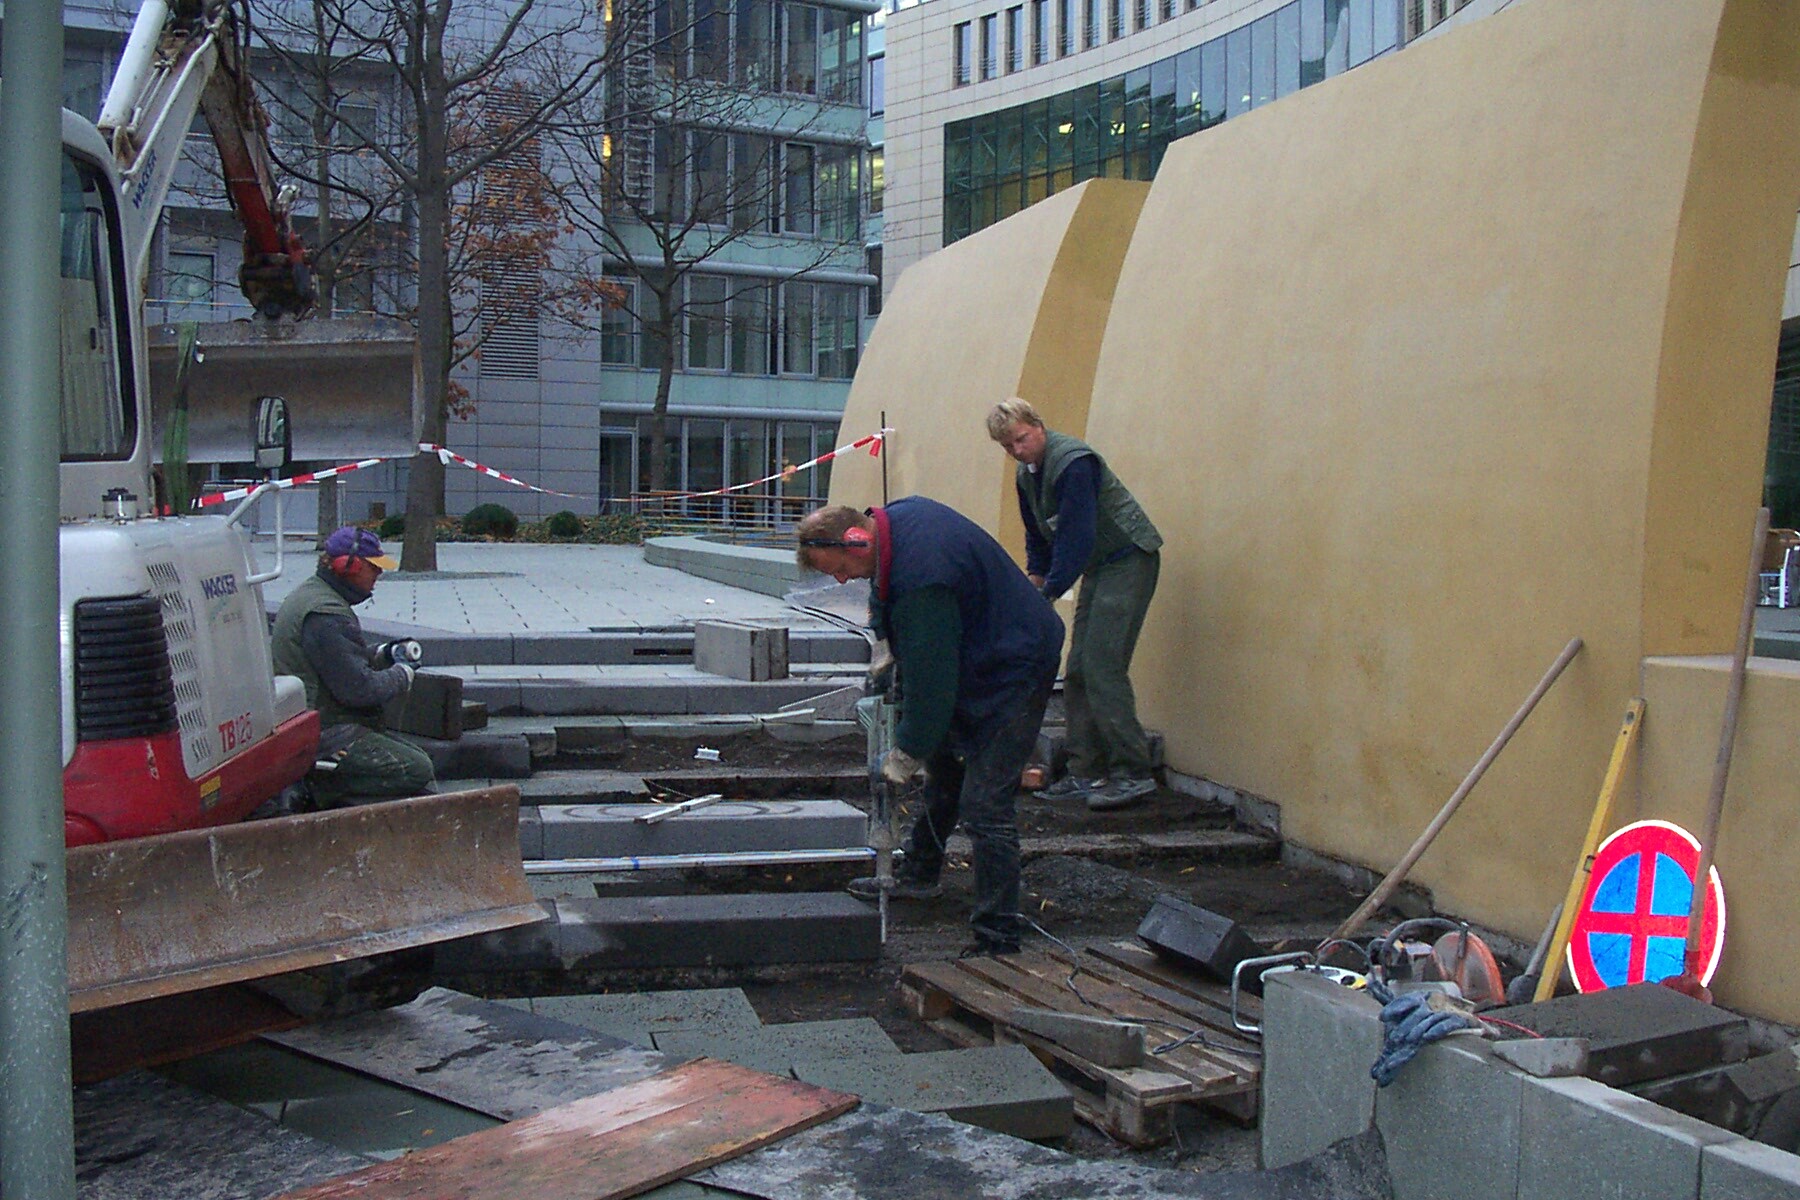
1003 1088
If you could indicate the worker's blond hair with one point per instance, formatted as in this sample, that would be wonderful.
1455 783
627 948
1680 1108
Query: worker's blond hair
826 528
1007 413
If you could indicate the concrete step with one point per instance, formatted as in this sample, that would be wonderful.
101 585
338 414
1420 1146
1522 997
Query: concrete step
629 691
637 1017
626 787
776 1048
619 647
1003 1088
638 932
613 830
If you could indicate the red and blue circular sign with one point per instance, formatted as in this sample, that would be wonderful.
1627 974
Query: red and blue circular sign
1633 921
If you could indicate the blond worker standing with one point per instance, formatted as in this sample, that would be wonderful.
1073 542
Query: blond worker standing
1082 523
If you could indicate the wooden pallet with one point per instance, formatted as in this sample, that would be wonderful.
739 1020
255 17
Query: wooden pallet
971 1001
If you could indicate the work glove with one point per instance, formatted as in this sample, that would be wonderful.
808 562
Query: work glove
880 679
898 767
407 651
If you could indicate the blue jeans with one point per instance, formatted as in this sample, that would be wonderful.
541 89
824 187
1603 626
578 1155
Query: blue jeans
979 789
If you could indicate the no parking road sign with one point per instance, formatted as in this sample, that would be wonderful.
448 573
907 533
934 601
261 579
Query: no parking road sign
1632 923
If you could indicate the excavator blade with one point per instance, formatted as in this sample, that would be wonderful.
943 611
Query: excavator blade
349 383
181 911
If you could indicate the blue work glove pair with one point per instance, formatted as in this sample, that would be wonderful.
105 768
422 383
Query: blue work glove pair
1412 1020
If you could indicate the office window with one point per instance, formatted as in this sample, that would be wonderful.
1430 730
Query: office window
964 36
618 326
1040 32
1262 61
840 192
1115 19
751 163
188 280
1287 50
1140 14
707 322
1166 10
876 180
797 195
872 265
990 46
750 329
1090 24
839 319
802 49
840 56
757 53
1066 24
1015 39
877 85
797 329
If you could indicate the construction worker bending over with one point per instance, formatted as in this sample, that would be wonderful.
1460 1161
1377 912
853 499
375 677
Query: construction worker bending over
975 649
318 638
1081 522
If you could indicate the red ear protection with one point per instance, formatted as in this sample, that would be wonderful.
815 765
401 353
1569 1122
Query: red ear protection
341 563
857 536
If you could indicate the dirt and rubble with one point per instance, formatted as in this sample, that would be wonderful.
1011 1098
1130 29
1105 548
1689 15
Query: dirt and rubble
1074 897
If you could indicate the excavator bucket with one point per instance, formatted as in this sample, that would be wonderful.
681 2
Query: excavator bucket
349 383
182 911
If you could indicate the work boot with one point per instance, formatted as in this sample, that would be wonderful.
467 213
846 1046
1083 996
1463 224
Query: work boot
905 888
1069 787
1120 792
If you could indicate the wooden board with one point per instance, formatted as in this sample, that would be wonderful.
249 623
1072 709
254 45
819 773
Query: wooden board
971 1001
618 1143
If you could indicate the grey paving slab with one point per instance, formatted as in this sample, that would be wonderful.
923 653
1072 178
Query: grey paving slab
1003 1088
1319 1040
776 1048
139 1136
611 830
1588 1139
1410 1114
638 1017
1746 1170
562 787
1639 1032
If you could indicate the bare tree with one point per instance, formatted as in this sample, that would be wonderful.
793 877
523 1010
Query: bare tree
710 139
456 157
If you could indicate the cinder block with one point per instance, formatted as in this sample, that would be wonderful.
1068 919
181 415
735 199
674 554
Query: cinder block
717 931
609 830
1410 1114
1583 1138
637 1017
1003 1088
431 707
776 1048
1319 1041
739 650
1745 1170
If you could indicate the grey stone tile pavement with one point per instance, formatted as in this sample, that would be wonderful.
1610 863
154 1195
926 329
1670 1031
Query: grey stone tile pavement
530 588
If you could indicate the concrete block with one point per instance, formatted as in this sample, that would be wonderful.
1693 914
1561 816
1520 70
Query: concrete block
535 947
1319 1040
717 931
1458 1074
637 1017
1197 937
431 708
531 832
1639 1032
740 650
491 756
607 830
1101 1041
474 715
1546 1058
1582 1138
1737 1097
1003 1088
1745 1170
776 1048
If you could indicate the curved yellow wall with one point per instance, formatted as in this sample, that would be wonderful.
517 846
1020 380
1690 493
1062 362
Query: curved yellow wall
1421 372
1017 309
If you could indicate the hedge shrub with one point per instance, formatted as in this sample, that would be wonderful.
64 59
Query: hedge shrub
491 520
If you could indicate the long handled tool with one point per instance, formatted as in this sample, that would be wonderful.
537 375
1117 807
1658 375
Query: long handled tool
1689 981
1389 885
1584 865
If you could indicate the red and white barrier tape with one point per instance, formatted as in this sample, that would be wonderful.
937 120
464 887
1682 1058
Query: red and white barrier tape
874 442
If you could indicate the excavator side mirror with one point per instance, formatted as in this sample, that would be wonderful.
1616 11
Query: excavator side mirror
274 440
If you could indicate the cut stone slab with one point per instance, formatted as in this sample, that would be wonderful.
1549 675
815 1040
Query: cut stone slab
1003 1088
612 830
1410 1113
839 704
1546 1058
564 787
776 1048
1744 1170
1197 936
1587 1139
1101 1041
636 1017
432 707
741 650
1640 1032
1741 1097
494 755
1319 1040
619 932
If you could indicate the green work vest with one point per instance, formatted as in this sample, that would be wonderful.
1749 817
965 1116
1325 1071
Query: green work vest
314 596
1119 520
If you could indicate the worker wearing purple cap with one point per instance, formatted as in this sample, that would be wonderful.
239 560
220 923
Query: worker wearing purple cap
318 639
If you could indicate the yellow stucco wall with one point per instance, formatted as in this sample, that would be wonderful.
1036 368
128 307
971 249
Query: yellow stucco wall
1423 371
1018 309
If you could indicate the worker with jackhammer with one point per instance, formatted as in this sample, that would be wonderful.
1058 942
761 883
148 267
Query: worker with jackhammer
318 638
1082 523
976 649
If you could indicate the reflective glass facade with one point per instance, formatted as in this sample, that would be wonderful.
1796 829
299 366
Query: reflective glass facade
997 163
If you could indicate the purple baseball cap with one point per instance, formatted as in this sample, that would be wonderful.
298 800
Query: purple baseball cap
351 542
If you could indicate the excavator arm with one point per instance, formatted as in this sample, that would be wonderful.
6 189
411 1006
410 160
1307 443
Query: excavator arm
183 57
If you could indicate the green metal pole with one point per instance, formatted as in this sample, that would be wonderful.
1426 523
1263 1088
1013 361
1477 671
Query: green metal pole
37 1138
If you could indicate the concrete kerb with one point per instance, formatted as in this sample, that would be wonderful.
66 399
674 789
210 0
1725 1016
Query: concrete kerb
1514 1135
